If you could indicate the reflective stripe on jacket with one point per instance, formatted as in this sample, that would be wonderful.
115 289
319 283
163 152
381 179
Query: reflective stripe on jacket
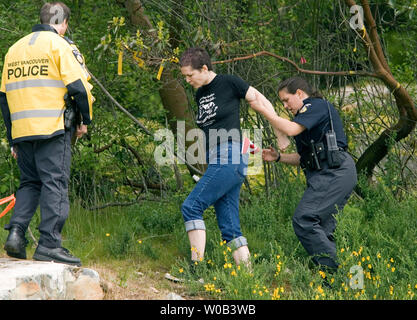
38 70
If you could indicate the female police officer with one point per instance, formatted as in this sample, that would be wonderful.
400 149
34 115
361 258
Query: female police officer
329 169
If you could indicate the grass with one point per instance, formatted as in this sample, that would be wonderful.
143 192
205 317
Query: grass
376 240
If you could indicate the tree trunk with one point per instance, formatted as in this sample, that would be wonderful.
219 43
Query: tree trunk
405 105
172 93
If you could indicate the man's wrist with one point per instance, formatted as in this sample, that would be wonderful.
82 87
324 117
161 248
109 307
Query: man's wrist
279 157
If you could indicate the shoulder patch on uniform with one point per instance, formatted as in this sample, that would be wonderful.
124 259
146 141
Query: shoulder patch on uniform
304 108
78 56
68 40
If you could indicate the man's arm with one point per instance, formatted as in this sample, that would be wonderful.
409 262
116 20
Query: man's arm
259 103
74 77
82 97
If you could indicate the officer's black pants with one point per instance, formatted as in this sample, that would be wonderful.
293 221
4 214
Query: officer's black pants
44 174
327 192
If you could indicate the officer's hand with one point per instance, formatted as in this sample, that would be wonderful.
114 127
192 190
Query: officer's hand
81 130
269 154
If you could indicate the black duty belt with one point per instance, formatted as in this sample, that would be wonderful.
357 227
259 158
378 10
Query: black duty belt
315 157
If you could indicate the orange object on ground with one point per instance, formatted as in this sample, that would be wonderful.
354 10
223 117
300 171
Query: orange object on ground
12 200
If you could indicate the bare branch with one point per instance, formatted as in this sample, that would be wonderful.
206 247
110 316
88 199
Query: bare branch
316 72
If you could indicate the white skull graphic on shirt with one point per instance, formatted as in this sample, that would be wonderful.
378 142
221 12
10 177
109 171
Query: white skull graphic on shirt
206 109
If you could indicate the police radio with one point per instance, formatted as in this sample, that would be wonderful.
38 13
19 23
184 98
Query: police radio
333 152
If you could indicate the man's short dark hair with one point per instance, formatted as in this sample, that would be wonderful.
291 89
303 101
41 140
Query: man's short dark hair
196 58
54 13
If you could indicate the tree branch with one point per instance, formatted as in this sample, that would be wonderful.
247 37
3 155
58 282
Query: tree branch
316 72
376 43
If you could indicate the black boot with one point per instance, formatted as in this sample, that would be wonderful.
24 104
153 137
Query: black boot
16 242
60 255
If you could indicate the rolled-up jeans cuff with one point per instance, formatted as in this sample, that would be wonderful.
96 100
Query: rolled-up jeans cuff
238 242
194 225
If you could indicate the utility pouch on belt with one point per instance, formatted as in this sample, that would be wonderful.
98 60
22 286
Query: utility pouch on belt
71 114
333 152
311 159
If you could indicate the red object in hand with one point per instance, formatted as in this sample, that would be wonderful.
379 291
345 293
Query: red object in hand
249 146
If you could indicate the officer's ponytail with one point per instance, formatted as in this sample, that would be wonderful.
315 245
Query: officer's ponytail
295 83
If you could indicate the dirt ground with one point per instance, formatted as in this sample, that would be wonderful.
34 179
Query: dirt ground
148 285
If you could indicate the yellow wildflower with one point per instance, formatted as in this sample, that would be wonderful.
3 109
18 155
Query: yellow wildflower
320 289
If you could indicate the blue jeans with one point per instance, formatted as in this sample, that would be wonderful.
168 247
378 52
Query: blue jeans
219 186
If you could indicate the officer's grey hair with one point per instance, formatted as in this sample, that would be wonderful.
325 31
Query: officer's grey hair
54 13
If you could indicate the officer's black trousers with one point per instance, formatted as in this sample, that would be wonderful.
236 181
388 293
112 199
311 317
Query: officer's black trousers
44 174
327 193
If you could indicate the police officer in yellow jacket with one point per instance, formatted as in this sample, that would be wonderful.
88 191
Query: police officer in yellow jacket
39 70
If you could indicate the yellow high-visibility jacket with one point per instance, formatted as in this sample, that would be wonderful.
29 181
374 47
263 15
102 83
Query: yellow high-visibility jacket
38 71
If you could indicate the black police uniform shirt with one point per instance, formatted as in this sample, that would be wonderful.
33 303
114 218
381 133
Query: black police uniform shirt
314 116
219 107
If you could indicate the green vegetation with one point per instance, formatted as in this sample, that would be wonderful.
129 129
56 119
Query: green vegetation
378 235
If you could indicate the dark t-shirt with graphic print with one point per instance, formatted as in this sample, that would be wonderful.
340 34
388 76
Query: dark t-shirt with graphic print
219 109
314 116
